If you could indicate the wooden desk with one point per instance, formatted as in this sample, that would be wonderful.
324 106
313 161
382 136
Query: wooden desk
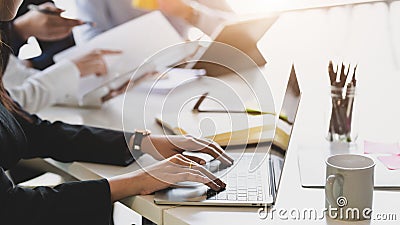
310 39
364 34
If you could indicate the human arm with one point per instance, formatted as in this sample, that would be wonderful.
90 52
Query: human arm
81 200
86 202
67 143
90 201
93 62
49 48
173 168
36 90
107 146
58 84
164 174
44 26
105 14
75 203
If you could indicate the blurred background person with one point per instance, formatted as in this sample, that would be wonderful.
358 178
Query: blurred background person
204 14
25 136
53 32
35 90
57 83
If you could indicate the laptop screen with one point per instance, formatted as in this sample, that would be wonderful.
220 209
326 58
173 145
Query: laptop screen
284 129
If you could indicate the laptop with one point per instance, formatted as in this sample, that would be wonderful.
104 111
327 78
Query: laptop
243 35
247 185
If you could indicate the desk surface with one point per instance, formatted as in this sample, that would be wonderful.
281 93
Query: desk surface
364 34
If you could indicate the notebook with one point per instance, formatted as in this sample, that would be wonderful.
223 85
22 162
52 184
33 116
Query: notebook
245 129
139 39
246 185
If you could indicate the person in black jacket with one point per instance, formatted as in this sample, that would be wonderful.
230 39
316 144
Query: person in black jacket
54 33
24 136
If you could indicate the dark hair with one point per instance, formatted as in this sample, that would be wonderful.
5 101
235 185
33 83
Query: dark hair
5 51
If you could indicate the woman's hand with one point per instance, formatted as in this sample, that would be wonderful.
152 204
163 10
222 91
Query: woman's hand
164 174
162 147
93 62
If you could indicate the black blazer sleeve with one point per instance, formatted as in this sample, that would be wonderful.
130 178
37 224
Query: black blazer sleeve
79 203
49 48
67 143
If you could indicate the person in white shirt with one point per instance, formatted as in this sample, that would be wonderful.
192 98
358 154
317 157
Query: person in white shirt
58 84
204 14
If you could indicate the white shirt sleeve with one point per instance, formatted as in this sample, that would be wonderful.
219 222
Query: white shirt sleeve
106 14
35 90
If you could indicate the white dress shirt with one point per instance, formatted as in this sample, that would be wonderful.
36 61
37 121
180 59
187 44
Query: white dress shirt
35 90
108 14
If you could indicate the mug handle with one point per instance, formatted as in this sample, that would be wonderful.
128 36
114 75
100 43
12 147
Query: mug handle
330 181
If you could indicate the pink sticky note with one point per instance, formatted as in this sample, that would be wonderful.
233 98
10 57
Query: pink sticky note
392 162
379 148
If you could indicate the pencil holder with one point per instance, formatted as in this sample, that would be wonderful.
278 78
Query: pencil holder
342 117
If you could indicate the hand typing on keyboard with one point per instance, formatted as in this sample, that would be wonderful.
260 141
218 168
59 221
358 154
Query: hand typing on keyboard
213 165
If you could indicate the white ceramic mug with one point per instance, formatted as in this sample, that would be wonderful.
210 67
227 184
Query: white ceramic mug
349 187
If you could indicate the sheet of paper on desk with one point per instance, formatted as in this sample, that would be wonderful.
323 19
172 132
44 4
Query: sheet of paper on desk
392 162
173 78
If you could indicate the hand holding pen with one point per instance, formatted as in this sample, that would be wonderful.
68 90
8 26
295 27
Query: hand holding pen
45 23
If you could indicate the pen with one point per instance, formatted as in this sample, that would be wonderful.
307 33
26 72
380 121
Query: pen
54 13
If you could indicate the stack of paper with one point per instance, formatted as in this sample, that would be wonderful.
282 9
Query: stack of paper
143 39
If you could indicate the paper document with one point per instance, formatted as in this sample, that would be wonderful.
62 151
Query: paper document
392 162
139 39
173 78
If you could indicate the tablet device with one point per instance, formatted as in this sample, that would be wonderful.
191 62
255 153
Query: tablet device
243 36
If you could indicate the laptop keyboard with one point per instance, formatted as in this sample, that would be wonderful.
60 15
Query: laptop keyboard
242 185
